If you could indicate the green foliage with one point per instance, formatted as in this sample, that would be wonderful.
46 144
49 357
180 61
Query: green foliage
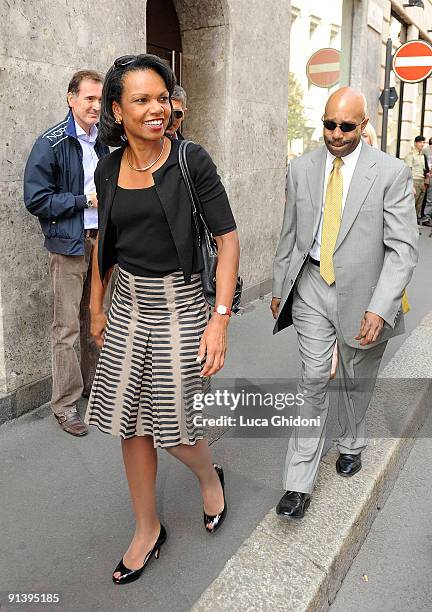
296 116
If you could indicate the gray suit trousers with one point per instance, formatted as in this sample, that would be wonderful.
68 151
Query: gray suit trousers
315 319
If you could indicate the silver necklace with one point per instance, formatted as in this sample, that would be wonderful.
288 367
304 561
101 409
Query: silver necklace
146 167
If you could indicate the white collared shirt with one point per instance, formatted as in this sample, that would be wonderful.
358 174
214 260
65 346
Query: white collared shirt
90 160
349 164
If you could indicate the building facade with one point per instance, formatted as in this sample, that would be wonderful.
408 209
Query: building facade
359 31
314 26
235 59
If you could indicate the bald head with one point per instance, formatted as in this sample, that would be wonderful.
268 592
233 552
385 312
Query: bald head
347 99
346 105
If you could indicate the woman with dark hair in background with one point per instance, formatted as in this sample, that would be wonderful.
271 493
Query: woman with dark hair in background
158 347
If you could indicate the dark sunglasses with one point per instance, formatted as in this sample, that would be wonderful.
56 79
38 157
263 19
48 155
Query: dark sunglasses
125 60
178 114
345 126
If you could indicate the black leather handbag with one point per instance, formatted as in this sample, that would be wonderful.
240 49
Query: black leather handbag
205 240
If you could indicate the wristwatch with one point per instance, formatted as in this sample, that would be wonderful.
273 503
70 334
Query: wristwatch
88 204
223 310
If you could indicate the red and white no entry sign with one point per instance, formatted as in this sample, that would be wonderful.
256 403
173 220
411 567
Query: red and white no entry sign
412 62
323 68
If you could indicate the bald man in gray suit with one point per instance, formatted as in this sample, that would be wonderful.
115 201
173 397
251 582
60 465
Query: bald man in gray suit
347 250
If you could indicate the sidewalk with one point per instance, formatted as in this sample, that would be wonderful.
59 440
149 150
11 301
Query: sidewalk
400 579
66 515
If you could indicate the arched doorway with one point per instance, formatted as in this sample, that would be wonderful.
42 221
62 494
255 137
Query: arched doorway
163 34
192 36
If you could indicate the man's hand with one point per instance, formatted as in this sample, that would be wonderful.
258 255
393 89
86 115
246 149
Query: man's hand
274 306
98 323
93 197
370 328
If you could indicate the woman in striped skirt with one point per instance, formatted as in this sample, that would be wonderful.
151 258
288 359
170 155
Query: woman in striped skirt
158 346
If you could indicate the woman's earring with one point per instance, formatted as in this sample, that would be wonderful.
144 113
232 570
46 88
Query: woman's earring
118 120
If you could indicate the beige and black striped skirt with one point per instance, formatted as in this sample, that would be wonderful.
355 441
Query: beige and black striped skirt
148 375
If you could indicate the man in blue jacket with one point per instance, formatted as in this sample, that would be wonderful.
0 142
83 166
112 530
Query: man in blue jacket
59 189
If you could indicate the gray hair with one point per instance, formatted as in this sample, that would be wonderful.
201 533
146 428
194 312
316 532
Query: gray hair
180 95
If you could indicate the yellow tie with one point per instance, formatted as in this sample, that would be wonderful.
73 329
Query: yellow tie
331 221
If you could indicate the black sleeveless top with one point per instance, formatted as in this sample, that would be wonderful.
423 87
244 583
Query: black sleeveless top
144 244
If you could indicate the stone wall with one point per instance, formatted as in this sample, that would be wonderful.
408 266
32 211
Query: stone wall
257 130
205 42
42 44
235 74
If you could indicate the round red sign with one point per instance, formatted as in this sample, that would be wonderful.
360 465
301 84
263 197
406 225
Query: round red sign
323 68
412 62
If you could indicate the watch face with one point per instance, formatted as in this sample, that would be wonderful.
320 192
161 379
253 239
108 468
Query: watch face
221 309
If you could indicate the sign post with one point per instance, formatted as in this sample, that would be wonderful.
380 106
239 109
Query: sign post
386 95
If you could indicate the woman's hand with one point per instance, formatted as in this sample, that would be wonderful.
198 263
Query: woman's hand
98 323
213 344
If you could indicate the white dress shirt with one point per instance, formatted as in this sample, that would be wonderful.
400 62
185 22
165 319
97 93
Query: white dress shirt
349 164
90 160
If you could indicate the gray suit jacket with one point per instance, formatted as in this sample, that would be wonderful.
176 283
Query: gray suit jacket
376 249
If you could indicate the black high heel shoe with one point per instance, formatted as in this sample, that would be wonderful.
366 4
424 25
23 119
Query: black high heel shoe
128 575
216 520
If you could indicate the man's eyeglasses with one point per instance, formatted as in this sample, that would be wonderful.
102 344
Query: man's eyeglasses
345 126
178 114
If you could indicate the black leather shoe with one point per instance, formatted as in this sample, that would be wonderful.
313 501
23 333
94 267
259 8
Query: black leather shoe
293 505
348 465
128 575
213 522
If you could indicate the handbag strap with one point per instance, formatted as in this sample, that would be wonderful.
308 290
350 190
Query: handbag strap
197 209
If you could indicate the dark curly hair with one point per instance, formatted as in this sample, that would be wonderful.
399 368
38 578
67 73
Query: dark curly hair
110 132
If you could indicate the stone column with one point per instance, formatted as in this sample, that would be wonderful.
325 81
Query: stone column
370 26
256 131
205 34
235 71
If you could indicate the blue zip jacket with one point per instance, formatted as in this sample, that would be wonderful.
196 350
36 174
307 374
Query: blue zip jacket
54 187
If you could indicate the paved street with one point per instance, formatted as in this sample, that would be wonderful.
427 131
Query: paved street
396 556
66 514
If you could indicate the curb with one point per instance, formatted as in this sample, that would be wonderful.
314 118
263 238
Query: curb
299 566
